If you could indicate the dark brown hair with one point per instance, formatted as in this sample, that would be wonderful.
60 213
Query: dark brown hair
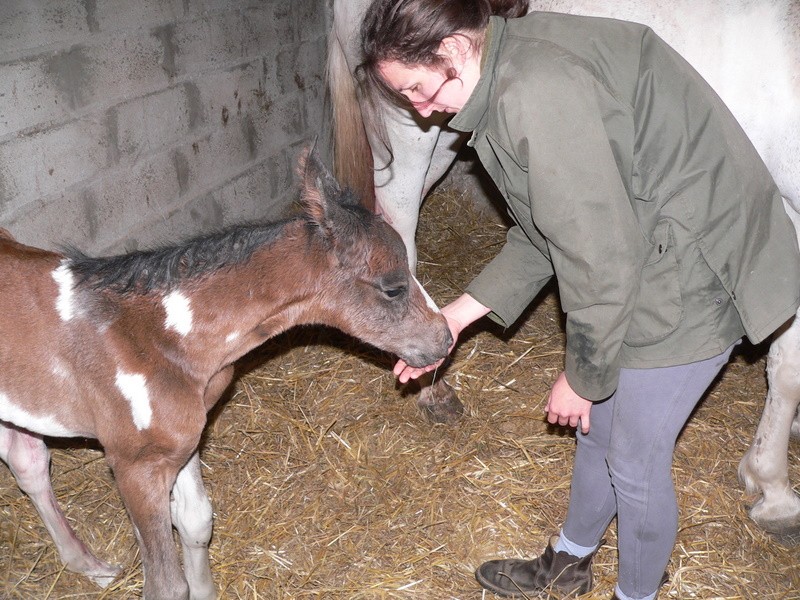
410 32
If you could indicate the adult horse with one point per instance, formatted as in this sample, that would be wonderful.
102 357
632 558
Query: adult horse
746 49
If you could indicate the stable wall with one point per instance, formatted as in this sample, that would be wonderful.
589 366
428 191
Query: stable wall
125 124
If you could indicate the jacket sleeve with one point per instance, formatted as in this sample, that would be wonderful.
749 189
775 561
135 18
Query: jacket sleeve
512 279
581 205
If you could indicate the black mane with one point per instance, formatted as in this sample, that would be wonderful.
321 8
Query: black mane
163 268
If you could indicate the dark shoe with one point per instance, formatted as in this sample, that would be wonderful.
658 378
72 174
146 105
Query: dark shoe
552 570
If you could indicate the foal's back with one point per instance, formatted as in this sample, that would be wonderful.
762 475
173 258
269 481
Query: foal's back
54 333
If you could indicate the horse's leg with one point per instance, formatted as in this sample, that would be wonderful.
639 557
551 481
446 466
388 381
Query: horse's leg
29 461
192 517
420 156
145 483
191 510
437 400
765 466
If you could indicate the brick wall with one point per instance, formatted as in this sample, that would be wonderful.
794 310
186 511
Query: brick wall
129 123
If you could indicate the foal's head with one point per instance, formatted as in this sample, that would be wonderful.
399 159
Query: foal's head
369 292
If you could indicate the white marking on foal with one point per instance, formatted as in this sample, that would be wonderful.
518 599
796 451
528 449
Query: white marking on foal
134 389
232 337
65 303
44 425
59 370
428 299
179 313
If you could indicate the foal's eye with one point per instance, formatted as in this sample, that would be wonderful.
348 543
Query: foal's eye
394 292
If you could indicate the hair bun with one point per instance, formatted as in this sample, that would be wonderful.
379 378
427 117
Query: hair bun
508 9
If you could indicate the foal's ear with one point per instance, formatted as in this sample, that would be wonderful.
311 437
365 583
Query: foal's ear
320 191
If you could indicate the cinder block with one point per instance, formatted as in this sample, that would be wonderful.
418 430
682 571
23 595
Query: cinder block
311 19
226 93
211 41
125 67
300 66
216 156
125 15
155 121
56 86
265 192
97 215
141 122
126 197
270 28
240 200
48 162
53 222
27 26
28 97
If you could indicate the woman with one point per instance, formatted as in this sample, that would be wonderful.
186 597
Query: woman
630 181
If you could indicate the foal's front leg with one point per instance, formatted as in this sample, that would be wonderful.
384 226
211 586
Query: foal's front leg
765 466
145 484
191 510
192 517
29 461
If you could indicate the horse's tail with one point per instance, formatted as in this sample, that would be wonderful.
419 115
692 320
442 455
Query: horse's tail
352 156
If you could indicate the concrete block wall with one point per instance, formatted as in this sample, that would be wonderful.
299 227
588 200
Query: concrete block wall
130 123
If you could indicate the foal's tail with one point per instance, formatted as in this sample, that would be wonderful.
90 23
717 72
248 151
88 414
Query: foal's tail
352 156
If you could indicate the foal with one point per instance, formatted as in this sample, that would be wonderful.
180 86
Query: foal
141 346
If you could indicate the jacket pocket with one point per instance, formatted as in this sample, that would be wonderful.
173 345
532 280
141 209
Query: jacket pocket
659 308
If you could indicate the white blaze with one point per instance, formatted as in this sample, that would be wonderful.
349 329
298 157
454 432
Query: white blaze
179 313
134 389
65 303
428 299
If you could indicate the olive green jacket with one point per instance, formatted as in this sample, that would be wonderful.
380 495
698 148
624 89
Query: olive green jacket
631 182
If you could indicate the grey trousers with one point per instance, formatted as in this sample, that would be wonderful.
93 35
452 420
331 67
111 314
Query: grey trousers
623 468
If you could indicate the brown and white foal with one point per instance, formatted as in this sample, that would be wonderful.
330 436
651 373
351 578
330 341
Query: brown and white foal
138 348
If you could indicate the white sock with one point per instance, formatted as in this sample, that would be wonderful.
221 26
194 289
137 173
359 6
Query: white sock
565 545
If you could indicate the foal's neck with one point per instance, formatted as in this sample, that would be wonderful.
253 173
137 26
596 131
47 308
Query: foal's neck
232 311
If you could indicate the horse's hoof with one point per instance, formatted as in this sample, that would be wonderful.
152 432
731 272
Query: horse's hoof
440 404
786 534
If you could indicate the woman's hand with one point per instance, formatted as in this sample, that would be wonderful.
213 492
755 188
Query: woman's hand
459 313
565 407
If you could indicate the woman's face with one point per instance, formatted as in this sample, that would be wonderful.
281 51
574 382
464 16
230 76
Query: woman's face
427 88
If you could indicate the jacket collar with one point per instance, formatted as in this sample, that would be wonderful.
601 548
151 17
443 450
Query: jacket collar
474 110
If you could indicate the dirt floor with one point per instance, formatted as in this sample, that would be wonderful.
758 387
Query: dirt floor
327 482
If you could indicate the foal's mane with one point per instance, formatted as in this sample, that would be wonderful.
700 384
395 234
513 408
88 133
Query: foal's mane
163 268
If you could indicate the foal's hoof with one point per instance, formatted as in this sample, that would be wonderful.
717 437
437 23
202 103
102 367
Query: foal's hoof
440 404
103 574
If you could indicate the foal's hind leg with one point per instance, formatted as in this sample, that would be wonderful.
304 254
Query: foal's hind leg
29 461
192 517
765 466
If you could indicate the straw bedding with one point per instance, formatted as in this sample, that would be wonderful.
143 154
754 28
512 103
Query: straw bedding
327 482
